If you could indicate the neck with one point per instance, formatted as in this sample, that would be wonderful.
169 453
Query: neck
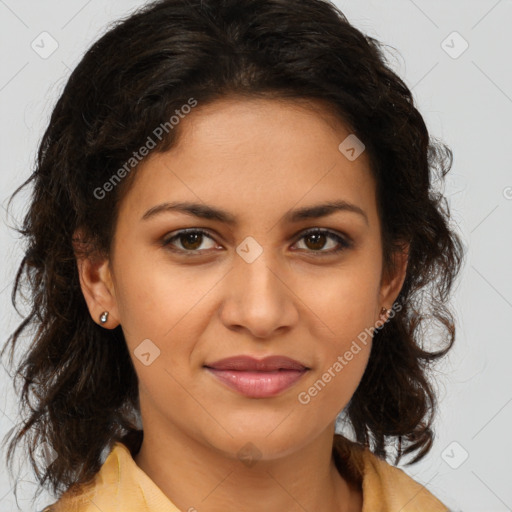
195 476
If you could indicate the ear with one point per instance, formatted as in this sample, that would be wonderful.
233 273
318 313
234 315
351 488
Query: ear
393 278
96 283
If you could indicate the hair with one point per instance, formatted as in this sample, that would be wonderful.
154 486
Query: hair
131 81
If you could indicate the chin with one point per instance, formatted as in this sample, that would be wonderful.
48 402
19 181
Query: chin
253 444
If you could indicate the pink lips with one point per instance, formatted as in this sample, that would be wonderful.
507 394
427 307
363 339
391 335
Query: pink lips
258 378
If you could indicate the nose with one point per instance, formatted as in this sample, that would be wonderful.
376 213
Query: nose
259 297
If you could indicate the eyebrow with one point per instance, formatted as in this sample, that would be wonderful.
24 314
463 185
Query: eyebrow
211 213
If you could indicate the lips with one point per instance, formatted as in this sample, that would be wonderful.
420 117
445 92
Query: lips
257 378
250 364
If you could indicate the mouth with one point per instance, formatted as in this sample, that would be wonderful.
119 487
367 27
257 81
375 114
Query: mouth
255 378
249 363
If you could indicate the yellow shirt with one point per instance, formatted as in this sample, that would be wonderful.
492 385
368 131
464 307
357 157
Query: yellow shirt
122 486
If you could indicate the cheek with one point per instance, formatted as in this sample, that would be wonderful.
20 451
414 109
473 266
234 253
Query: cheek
343 300
162 315
352 322
344 329
333 384
152 298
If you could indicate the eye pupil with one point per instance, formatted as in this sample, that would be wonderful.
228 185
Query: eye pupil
318 240
191 236
314 241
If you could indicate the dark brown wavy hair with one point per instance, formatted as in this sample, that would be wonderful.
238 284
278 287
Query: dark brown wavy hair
80 389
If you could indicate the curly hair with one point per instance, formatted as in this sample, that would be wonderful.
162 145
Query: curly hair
133 78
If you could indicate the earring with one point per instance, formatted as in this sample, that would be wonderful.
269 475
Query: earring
384 311
104 317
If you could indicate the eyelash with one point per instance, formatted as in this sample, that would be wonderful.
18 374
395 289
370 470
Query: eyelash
344 243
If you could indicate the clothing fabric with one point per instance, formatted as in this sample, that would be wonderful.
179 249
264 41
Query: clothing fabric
122 486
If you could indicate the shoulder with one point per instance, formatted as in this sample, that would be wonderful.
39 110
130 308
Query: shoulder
99 492
120 485
385 487
384 483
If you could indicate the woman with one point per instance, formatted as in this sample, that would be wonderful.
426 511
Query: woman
233 242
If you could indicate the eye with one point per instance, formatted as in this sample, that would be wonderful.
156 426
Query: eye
316 238
190 240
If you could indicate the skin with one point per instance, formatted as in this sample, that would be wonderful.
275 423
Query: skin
257 159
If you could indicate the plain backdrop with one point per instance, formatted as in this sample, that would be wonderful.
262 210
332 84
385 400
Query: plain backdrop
455 56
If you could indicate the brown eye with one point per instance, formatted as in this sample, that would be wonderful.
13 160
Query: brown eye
316 239
190 241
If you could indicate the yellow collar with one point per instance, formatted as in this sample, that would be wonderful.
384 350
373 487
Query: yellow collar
121 485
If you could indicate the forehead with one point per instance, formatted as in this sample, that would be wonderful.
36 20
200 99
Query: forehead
253 122
261 154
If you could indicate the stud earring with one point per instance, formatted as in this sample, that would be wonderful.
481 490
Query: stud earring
104 317
384 311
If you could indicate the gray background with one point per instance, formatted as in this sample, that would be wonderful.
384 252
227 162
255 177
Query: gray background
466 101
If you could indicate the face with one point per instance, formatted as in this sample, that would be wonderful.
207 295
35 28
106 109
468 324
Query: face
268 282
